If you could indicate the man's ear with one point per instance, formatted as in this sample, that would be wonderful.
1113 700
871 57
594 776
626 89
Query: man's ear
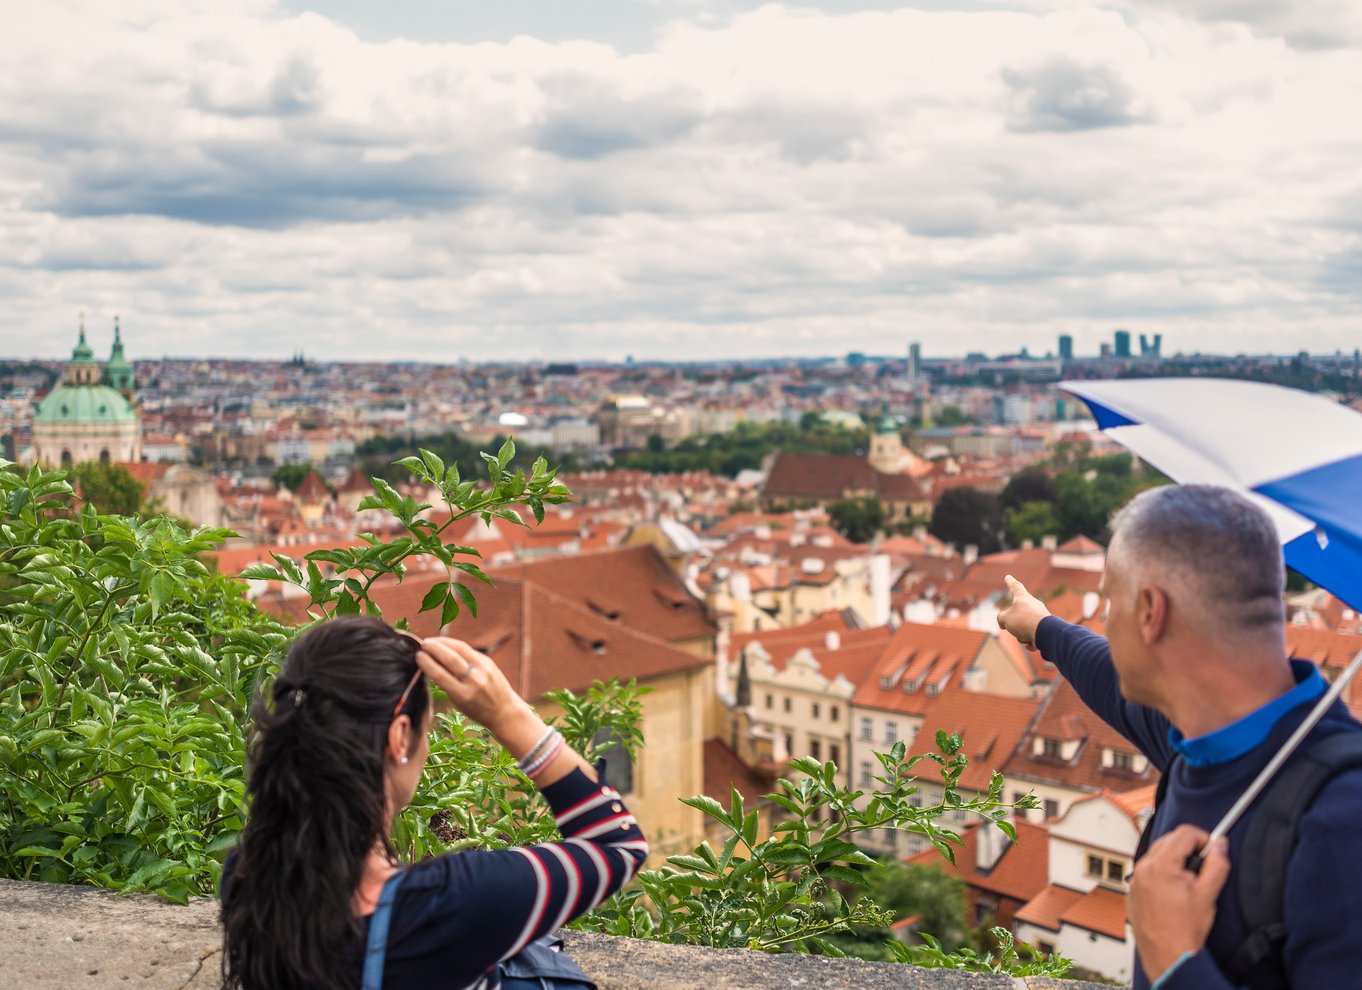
399 738
1152 613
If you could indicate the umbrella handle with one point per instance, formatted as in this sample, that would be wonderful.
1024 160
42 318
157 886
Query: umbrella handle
1195 861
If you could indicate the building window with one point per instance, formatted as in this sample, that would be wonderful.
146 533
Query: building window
891 732
1051 749
815 749
1095 866
834 712
865 774
834 753
815 709
789 744
1021 813
770 700
619 768
1051 808
787 703
867 728
1122 761
1116 870
1048 948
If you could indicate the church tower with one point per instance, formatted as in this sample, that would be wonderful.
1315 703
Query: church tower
83 369
886 446
118 370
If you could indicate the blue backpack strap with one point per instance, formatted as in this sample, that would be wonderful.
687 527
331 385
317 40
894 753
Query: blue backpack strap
377 952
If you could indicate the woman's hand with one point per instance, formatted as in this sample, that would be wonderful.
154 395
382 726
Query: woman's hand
477 687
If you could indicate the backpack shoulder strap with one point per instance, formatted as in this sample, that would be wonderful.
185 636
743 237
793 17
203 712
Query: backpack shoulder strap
1269 841
1146 833
377 951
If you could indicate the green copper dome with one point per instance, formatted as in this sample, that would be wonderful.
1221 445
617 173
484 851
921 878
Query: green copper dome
887 422
93 404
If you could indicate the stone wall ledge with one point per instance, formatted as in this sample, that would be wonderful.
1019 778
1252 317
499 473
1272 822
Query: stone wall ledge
88 939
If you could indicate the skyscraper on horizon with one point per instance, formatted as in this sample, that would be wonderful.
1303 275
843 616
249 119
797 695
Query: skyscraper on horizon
914 363
1066 347
1123 343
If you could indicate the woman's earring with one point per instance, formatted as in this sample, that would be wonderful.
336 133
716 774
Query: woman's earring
404 759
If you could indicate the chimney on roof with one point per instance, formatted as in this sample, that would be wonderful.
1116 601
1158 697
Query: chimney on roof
811 565
1050 543
833 640
1028 544
991 846
881 586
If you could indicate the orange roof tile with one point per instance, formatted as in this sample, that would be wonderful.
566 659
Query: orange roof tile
724 770
930 650
990 725
1047 907
1021 872
1100 910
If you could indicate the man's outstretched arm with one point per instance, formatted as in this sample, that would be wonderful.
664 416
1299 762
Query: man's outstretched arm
1084 658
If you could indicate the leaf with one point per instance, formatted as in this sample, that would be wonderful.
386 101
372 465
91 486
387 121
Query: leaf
450 611
466 596
435 596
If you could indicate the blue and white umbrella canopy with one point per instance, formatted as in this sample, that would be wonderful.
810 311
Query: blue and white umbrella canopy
1297 455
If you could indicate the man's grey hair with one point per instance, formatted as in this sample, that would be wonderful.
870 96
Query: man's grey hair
1209 546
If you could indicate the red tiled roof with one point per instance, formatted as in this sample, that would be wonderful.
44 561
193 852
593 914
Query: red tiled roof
990 727
540 640
1066 717
1322 647
1099 910
1021 872
832 476
1047 907
312 489
724 770
926 652
633 586
1082 544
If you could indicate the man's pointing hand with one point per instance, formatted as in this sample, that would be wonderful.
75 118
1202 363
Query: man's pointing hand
1023 615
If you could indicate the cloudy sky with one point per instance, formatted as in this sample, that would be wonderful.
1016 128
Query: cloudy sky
686 179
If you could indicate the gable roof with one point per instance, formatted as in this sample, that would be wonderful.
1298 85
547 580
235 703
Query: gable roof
831 476
918 655
990 726
633 586
1021 872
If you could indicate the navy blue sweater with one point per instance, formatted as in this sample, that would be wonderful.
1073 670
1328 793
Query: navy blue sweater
456 916
1323 908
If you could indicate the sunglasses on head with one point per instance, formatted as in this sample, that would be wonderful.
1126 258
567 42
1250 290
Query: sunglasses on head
397 709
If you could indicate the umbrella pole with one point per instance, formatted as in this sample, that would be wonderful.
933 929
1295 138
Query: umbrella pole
1233 815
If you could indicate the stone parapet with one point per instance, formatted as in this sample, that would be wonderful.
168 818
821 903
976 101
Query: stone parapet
87 939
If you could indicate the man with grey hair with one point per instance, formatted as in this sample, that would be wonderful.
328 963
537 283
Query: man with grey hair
1194 672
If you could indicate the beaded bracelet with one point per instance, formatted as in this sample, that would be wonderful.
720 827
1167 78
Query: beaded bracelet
529 757
543 759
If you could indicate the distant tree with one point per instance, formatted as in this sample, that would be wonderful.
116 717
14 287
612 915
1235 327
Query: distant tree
1113 465
967 516
937 897
953 416
1032 521
656 444
809 421
290 476
858 519
110 488
1033 484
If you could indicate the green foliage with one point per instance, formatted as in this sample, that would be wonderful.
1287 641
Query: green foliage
338 580
110 488
1032 484
1032 521
1012 960
746 446
290 476
968 517
934 895
126 671
858 519
952 416
800 887
382 456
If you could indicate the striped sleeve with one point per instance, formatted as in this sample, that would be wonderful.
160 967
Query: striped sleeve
602 849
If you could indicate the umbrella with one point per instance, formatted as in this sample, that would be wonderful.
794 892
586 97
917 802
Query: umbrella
1297 455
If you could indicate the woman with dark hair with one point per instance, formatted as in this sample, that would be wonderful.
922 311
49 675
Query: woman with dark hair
333 760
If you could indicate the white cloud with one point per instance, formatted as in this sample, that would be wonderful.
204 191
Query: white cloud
223 174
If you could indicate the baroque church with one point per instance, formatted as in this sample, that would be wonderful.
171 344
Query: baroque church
92 415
